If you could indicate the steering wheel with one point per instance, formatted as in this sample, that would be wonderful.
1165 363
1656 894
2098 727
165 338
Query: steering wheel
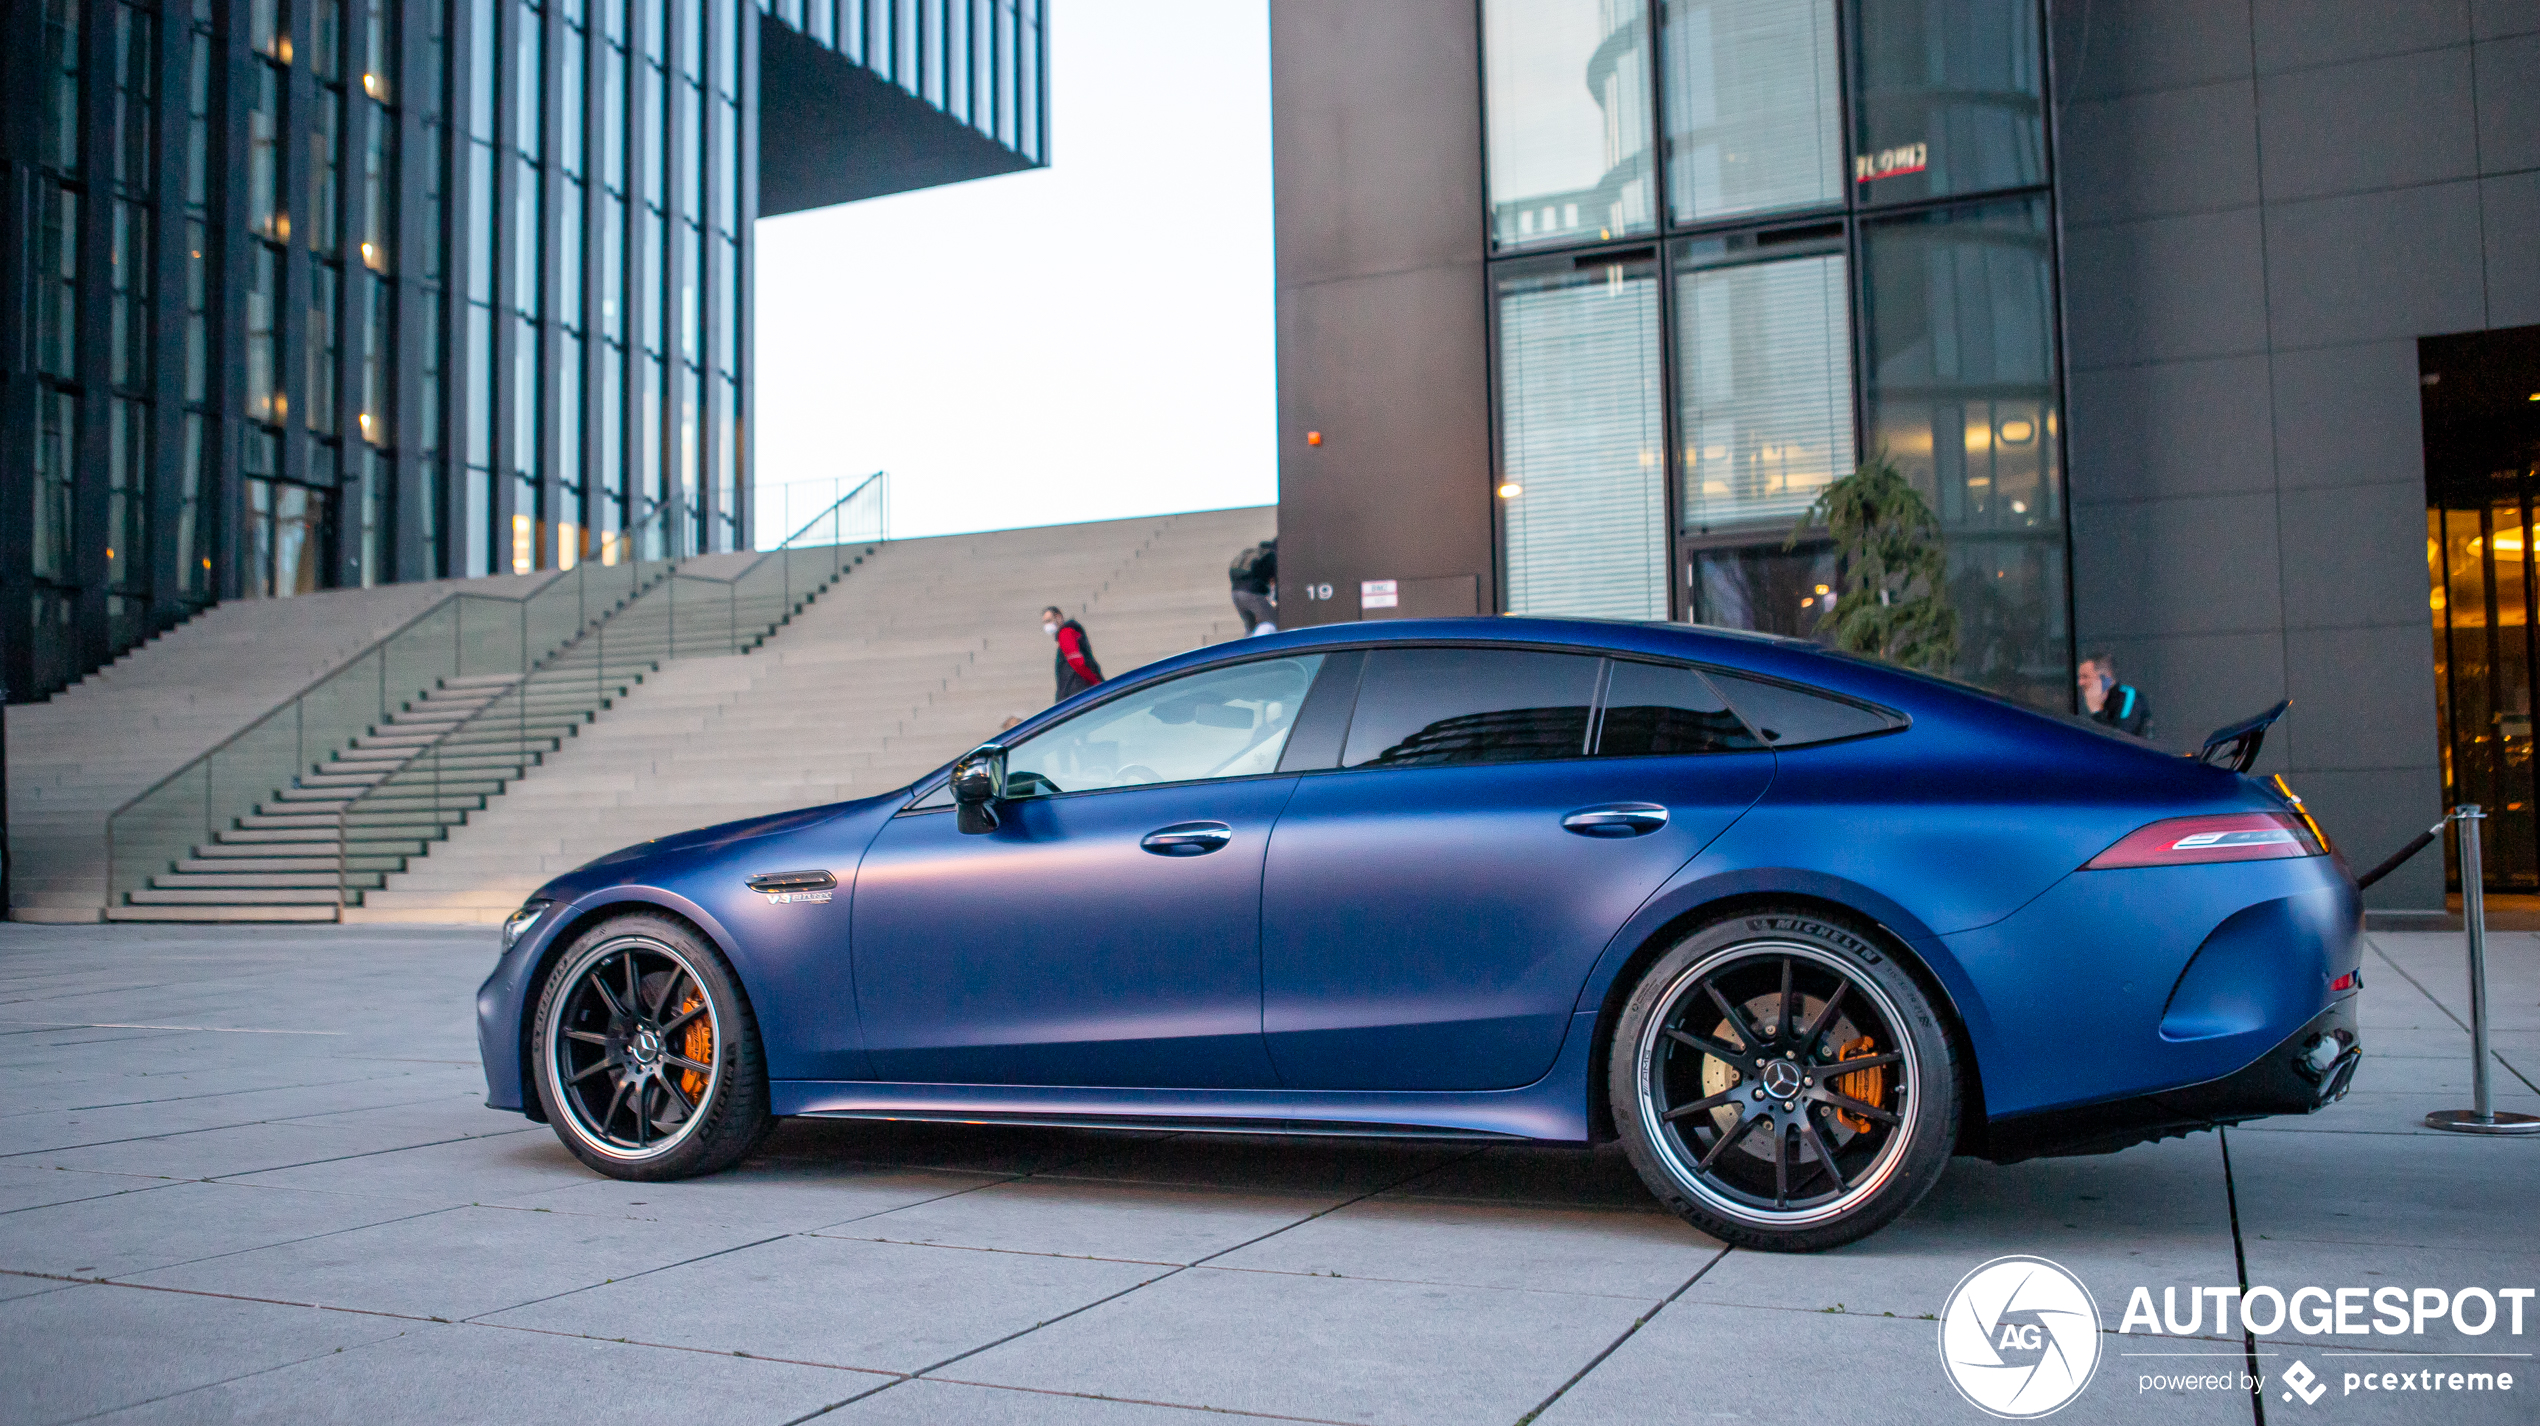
1135 773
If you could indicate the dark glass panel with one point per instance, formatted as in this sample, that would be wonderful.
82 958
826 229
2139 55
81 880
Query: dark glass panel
57 266
59 142
1567 105
326 162
1763 385
265 213
1439 707
265 401
128 294
1762 587
325 306
528 248
1583 501
1754 110
1948 98
56 430
1959 307
526 63
134 119
569 105
1656 710
1790 717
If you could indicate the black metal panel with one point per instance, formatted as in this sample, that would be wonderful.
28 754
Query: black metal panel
850 134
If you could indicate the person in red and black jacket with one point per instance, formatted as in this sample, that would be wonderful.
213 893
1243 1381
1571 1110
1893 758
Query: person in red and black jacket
1077 670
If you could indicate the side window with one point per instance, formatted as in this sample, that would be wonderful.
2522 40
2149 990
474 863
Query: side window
1790 717
1442 707
1224 722
1655 710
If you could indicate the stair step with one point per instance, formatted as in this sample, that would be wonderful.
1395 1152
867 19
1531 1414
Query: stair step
245 896
189 912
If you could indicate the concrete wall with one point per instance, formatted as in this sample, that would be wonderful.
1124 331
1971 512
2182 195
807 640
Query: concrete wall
1383 348
2265 204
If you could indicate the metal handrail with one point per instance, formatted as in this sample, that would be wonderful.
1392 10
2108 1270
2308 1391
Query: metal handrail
371 661
882 526
408 781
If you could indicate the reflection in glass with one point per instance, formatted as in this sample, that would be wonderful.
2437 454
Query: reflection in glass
1229 722
1763 387
1566 94
1754 110
1448 707
1657 710
1582 499
1949 98
1762 587
1959 306
2482 589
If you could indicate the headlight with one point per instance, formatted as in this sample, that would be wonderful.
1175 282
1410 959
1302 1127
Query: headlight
521 920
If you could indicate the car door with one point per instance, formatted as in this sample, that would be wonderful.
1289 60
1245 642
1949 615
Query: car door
1108 931
1431 906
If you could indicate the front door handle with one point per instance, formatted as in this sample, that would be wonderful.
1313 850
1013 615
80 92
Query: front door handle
1617 819
1187 839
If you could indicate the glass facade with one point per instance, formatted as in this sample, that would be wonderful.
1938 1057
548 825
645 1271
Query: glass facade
337 292
1844 247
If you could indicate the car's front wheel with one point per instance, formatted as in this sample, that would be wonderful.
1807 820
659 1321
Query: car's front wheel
1781 1082
647 1056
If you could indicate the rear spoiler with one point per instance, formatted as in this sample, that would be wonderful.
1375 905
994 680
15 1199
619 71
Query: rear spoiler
2236 747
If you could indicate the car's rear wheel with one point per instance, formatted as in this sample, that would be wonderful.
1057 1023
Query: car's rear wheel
647 1056
1782 1082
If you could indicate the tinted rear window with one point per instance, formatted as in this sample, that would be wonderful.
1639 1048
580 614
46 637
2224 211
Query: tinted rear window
1442 707
1791 717
1652 710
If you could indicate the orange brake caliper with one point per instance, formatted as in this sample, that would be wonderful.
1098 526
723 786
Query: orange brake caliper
697 1043
1869 1085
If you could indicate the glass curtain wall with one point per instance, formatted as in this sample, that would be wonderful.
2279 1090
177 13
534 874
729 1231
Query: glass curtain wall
1850 207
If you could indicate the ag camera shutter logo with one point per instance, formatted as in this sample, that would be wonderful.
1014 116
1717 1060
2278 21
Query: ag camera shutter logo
2019 1337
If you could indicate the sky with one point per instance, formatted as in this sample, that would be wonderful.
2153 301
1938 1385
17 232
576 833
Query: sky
1087 341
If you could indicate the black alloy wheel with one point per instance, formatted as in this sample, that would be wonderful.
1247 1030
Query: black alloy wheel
647 1056
1782 1082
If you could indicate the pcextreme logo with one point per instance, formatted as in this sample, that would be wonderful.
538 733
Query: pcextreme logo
2019 1337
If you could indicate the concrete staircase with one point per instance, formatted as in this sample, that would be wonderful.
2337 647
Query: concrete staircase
79 755
396 789
924 653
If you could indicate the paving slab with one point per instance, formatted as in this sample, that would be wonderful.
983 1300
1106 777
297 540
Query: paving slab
89 1349
454 1263
1335 1349
27 1186
477 1168
769 1195
928 1402
180 1223
433 1374
1091 1218
878 1306
1605 1252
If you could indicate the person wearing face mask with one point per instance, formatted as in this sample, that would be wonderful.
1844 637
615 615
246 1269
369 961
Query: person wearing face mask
1077 670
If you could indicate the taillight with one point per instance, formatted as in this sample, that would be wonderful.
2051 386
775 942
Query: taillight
2231 837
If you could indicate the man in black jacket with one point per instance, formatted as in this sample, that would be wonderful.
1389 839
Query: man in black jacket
1077 670
2118 705
1254 575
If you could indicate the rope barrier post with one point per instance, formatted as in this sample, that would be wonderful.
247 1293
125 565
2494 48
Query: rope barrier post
2481 1117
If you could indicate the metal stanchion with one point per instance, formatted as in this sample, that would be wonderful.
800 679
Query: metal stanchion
2482 1118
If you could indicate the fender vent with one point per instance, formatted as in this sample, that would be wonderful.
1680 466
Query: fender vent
793 881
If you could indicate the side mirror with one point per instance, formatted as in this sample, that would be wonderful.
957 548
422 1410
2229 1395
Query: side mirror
977 782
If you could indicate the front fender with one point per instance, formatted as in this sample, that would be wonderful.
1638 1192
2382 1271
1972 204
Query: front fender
502 1008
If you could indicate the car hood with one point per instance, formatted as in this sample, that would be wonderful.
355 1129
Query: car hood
723 833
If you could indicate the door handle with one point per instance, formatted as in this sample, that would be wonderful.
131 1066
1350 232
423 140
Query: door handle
1187 839
1617 819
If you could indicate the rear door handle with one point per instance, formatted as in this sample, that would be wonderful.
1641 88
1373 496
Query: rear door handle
1187 839
1617 819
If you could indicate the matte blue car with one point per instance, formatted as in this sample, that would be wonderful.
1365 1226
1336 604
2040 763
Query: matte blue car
1795 927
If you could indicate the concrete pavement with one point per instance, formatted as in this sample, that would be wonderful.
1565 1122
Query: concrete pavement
248 1176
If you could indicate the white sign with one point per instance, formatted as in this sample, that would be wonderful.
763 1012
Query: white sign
1378 594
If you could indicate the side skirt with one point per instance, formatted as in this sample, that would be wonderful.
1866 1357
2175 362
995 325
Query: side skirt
1553 1108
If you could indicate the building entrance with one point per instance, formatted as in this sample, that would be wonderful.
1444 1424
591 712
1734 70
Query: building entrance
2481 400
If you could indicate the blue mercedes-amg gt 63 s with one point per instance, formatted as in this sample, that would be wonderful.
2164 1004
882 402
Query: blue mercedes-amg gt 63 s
1795 927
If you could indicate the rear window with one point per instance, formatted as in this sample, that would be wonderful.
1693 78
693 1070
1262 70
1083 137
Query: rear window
1446 707
1656 710
1791 717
